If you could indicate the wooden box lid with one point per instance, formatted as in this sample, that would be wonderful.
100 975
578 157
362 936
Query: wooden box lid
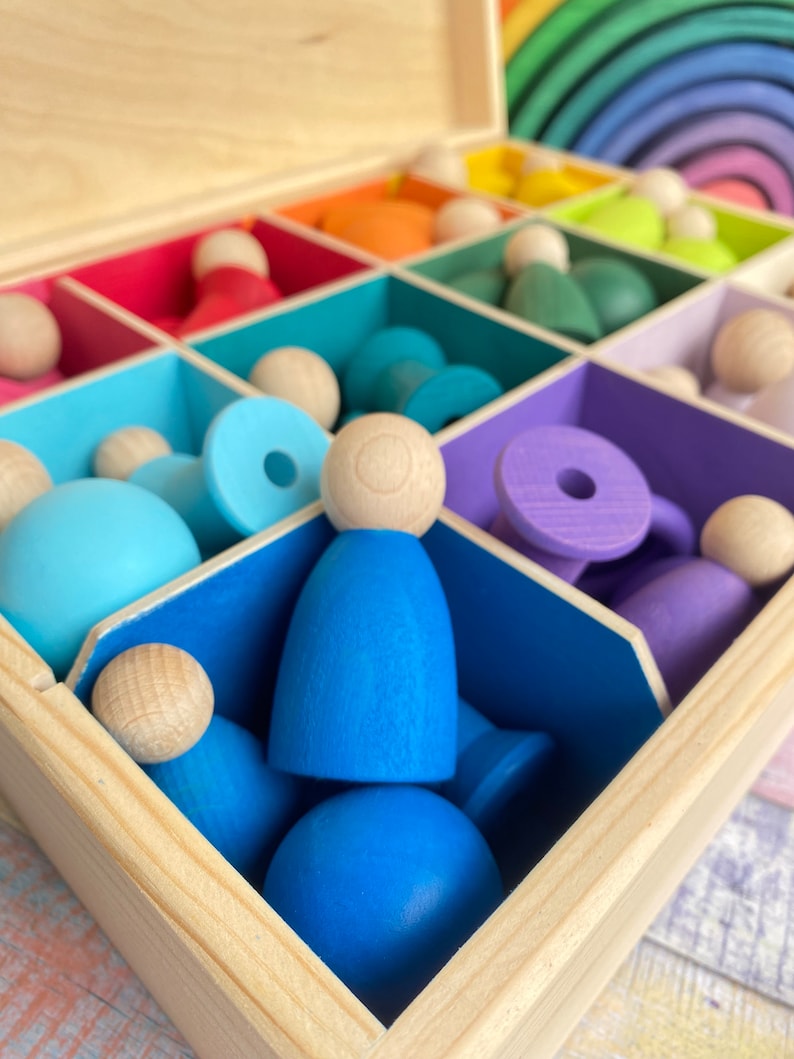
135 110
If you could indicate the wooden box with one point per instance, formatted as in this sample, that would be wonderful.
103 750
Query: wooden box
127 131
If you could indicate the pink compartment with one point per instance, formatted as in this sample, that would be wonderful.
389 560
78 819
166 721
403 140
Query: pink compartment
90 337
155 282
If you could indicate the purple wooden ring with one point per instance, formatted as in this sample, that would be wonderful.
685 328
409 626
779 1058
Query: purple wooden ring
573 493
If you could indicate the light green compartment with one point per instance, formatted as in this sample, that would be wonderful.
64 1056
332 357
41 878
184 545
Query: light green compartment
745 236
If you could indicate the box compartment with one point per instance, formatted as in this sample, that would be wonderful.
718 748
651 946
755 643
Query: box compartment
445 266
501 163
90 335
155 282
396 188
683 334
163 390
746 234
337 325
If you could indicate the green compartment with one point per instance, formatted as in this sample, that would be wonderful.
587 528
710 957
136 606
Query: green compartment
668 281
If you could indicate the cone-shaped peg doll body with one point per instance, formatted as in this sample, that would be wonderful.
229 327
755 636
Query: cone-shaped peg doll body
367 687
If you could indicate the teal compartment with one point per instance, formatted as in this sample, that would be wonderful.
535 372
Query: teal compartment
164 392
337 325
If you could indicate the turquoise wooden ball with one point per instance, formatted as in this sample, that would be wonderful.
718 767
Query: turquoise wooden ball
81 551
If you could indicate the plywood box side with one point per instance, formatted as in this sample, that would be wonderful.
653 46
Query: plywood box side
235 980
534 968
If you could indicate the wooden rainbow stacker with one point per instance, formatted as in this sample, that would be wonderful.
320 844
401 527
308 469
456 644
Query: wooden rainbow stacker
129 131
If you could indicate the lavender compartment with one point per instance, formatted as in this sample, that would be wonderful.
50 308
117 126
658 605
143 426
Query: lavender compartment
683 334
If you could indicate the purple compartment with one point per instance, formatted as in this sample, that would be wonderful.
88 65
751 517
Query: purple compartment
687 455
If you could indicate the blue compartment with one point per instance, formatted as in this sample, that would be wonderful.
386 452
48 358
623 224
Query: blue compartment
526 657
164 392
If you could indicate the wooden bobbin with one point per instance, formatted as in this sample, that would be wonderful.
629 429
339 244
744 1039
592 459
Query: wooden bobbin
570 494
302 377
30 338
155 700
753 536
383 471
121 453
23 477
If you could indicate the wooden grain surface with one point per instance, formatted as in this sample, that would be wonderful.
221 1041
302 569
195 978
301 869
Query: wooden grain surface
713 978
150 103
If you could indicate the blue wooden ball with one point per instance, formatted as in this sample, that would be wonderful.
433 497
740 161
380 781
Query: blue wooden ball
384 884
385 347
227 790
81 551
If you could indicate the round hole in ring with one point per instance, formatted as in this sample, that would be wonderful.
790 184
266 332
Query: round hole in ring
280 469
575 483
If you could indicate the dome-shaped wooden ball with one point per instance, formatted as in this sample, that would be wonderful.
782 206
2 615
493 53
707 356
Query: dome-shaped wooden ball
229 246
30 338
439 162
465 217
536 242
383 471
664 187
23 477
678 380
753 536
121 453
540 160
692 222
753 350
155 700
302 377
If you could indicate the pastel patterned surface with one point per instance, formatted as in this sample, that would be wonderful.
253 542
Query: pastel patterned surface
733 913
660 1005
64 991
